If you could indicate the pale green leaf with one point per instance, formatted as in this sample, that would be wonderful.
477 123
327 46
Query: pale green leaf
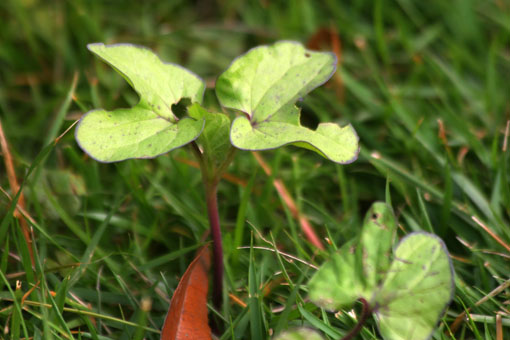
331 141
110 136
408 295
376 242
159 84
355 270
417 289
149 128
299 334
265 84
338 282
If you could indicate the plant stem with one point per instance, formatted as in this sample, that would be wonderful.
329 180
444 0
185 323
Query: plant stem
211 178
364 315
214 222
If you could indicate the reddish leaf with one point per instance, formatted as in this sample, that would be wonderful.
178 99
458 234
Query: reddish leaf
187 316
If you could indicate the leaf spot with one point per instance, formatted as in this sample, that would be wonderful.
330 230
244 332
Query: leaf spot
433 273
403 260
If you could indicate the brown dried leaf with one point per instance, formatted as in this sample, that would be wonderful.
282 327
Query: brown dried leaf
187 316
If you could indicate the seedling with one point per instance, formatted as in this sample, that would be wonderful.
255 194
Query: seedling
260 87
408 291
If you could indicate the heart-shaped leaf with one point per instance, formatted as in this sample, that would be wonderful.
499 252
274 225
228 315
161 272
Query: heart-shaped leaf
408 294
357 268
417 289
149 128
265 83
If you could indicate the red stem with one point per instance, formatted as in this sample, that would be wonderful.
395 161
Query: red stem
214 222
211 177
364 315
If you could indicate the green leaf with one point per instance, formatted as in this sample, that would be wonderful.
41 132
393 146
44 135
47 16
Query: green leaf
265 83
418 287
408 295
215 138
149 128
354 272
132 133
376 242
159 84
338 282
299 334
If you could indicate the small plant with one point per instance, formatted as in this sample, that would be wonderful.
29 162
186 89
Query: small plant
261 87
408 291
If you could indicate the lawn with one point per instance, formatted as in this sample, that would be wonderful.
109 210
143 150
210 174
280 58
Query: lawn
424 84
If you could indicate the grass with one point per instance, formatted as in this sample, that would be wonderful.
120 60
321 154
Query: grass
425 84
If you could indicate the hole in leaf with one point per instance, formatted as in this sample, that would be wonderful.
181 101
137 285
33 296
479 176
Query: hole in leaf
309 119
180 108
307 55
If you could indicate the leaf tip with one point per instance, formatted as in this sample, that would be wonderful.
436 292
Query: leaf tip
92 46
